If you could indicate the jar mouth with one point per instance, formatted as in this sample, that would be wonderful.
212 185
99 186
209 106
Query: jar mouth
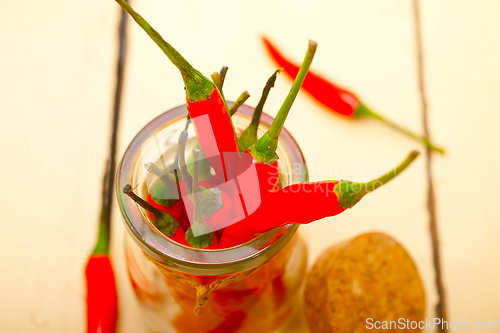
189 259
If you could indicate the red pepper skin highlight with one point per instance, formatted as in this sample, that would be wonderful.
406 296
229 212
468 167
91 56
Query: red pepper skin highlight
102 300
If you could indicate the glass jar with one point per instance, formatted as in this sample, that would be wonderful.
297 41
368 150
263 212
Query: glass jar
253 287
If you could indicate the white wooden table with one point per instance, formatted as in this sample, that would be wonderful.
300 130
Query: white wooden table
57 70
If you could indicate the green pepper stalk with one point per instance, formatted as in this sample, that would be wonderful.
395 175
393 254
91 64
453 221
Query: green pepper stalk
249 135
181 157
210 200
164 190
153 169
218 78
103 234
165 222
264 150
204 170
206 235
363 111
350 193
239 102
198 87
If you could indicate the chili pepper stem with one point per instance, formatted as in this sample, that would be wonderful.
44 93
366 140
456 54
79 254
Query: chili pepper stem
264 149
363 111
103 234
249 135
163 221
206 235
182 161
102 243
127 189
221 76
175 164
239 102
152 168
350 193
198 87
196 186
215 79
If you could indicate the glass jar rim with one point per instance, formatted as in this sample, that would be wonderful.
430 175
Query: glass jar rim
201 261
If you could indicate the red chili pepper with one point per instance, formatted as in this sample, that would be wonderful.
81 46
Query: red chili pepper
221 126
336 99
304 203
101 295
205 104
102 300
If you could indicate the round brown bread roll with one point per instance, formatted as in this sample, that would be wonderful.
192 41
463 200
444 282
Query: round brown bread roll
370 276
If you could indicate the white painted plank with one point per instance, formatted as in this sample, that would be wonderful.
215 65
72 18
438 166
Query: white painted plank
462 45
57 70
